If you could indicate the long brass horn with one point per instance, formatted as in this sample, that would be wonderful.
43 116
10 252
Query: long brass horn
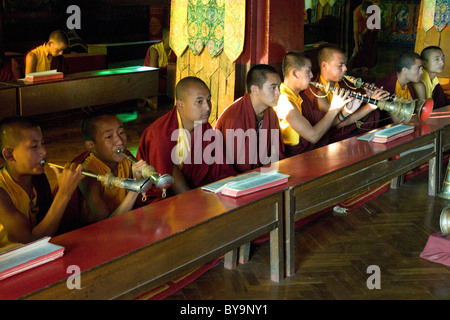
422 108
139 186
402 110
160 181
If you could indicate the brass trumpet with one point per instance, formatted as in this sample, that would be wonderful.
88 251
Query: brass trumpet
422 108
160 181
139 186
402 110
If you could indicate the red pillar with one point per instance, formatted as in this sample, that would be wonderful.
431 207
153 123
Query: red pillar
272 28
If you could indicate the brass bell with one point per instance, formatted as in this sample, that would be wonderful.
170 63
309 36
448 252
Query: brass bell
445 221
445 192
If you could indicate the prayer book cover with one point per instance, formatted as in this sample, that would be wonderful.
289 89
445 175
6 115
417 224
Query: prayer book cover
26 256
392 133
44 75
252 182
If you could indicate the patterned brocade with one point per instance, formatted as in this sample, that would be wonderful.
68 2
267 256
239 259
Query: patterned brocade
218 25
441 14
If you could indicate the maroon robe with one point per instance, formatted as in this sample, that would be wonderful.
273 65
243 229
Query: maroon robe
388 83
244 155
439 98
155 147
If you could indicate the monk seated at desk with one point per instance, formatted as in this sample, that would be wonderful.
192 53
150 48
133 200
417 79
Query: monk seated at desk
49 55
408 70
158 56
433 63
252 115
357 118
27 209
303 126
174 143
103 133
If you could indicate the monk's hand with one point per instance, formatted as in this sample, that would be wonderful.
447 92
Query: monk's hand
69 177
378 94
340 99
352 106
137 169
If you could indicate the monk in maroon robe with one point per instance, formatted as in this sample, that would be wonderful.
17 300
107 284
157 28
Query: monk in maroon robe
302 126
175 144
357 117
433 60
249 126
399 82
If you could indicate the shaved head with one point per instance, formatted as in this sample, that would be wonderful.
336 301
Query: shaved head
326 53
185 84
11 130
59 36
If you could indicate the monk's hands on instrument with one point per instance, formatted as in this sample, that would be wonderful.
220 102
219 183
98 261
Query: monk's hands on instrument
69 177
137 169
378 94
340 99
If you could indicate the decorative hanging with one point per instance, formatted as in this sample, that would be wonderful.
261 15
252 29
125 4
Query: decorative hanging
218 25
234 34
441 14
178 27
428 14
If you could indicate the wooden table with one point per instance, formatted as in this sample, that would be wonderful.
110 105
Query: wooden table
323 177
84 89
128 255
8 100
122 51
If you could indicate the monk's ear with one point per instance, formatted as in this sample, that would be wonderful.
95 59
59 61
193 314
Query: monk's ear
179 105
254 89
90 145
8 154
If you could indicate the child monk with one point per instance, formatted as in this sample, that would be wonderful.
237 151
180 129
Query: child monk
27 209
104 133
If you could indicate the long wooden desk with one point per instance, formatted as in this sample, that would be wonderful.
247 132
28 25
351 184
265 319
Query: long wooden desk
8 100
341 170
122 51
127 255
89 88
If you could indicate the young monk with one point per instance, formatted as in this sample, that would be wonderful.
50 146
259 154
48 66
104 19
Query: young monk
104 133
27 210
303 126
253 116
400 82
48 56
358 117
174 143
433 60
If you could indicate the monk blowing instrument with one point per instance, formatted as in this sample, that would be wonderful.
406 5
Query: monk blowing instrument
160 181
422 108
139 186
